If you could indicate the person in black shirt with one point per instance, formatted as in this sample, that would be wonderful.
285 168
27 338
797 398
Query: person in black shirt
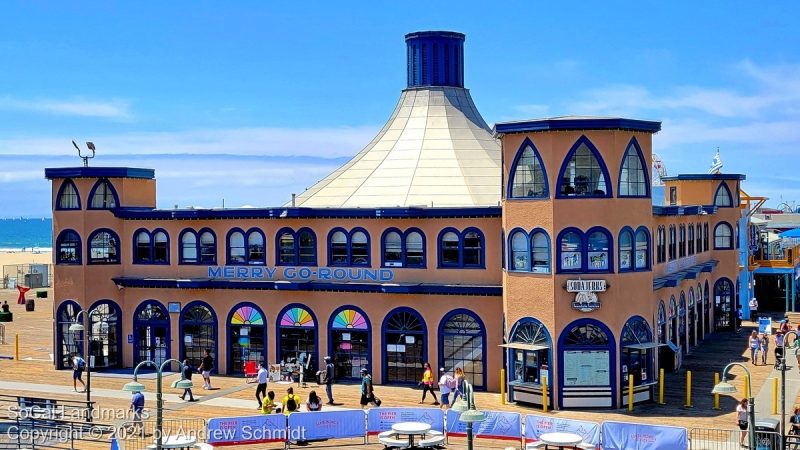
186 373
5 307
205 369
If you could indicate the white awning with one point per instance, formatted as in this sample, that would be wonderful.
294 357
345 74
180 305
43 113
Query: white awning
523 346
645 345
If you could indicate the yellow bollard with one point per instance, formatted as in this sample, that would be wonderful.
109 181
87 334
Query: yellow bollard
630 392
746 386
544 395
502 386
774 396
688 389
716 396
16 347
660 386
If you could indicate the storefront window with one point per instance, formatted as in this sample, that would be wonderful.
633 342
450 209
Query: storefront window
351 349
662 323
199 332
673 321
461 343
638 352
586 356
151 333
530 349
404 337
68 341
246 338
723 304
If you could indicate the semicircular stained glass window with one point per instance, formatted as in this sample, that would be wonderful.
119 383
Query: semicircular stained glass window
297 317
247 315
349 318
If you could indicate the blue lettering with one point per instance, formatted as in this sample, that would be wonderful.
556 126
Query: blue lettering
228 271
258 272
241 272
324 273
387 274
290 273
305 273
339 274
214 272
370 275
270 272
355 274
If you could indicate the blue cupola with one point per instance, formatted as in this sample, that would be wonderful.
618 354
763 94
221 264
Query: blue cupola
435 58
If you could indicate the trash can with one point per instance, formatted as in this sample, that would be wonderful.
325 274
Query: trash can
30 305
41 294
767 435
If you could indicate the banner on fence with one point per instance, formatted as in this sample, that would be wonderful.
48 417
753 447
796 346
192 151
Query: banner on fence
637 436
535 426
498 425
382 419
329 424
249 430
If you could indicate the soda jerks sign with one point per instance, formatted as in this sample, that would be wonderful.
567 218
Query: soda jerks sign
586 293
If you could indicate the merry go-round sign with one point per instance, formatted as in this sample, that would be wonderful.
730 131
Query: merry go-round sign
585 293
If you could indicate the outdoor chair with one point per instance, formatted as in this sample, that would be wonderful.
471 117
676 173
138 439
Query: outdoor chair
433 441
250 372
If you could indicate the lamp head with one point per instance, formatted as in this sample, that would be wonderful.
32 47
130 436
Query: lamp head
723 387
182 384
472 416
460 406
133 386
76 327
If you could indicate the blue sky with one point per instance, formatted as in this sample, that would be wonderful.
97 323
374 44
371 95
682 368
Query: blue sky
251 101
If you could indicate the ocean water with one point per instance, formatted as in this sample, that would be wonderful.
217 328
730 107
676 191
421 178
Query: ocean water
16 234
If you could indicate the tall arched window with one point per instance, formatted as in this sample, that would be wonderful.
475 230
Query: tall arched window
520 255
528 178
625 250
705 237
637 352
682 322
208 247
724 300
297 337
540 251
160 247
359 248
589 344
723 198
103 195
236 251
247 337
67 342
529 354
188 253
642 247
662 323
673 321
151 333
690 239
723 237
699 238
103 247
350 342
633 179
414 249
307 247
105 334
661 252
404 338
286 250
198 331
583 173
68 197
682 241
68 247
393 249
449 245
142 253
462 340
571 251
256 251
598 250
692 318
672 243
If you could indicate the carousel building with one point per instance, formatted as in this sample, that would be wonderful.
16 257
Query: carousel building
533 246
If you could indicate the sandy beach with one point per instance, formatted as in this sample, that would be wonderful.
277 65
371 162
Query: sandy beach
27 257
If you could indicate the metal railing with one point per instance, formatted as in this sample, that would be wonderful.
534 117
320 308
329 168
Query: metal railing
31 275
130 436
728 439
776 257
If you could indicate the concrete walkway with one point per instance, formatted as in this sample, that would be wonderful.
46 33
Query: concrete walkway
763 399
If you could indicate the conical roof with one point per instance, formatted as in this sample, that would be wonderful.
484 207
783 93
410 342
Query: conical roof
435 150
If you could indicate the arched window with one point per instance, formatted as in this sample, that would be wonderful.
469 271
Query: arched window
142 253
540 250
736 237
520 254
403 249
705 237
723 237
690 239
246 248
198 329
67 342
297 249
338 248
463 250
307 247
68 197
682 322
661 245
583 173
599 251
625 250
188 253
236 248
672 243
638 352
472 248
103 195
530 353
160 247
682 241
348 249
449 245
589 344
68 247
208 247
297 337
723 198
359 248
633 177
662 323
673 321
393 249
103 247
462 342
151 333
528 178
692 318
256 251
414 249
699 238
286 250
404 338
571 250
247 337
642 247
724 309
350 342
105 334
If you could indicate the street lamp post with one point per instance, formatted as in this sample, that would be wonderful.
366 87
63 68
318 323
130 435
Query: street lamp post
84 327
135 386
469 414
723 387
783 384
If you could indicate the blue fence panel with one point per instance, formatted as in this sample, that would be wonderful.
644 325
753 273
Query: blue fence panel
382 419
498 425
637 436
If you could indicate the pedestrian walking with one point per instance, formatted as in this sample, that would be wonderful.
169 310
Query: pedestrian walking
327 379
755 344
459 385
753 304
764 345
741 420
261 389
186 373
446 385
778 347
427 384
205 369
78 366
368 390
137 408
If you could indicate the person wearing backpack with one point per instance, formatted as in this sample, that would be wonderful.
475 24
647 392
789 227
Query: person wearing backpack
78 366
367 390
291 402
186 373
446 385
327 379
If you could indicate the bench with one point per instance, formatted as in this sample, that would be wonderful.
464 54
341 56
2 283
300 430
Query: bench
433 441
389 440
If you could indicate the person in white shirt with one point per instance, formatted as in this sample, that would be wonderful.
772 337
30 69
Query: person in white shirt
753 304
261 389
445 386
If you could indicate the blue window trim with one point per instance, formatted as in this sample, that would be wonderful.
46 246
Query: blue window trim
133 246
78 250
439 262
610 238
513 172
89 247
583 140
349 238
59 335
182 352
113 306
424 334
251 231
295 236
612 354
94 188
509 353
549 249
482 238
629 230
503 248
331 330
424 263
64 185
383 246
649 265
199 246
639 153
153 246
297 246
559 238
138 323
229 329
228 245
278 330
732 237
477 318
724 186
183 232
511 250
637 317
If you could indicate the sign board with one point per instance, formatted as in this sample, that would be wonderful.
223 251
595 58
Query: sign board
250 430
585 293
535 426
174 307
586 285
329 424
622 435
765 325
130 339
498 425
587 368
382 419
334 274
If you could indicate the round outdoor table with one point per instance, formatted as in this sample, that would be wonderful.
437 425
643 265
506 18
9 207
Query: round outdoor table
411 429
176 442
561 440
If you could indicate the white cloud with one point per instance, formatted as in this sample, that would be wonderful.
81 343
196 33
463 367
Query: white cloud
115 109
